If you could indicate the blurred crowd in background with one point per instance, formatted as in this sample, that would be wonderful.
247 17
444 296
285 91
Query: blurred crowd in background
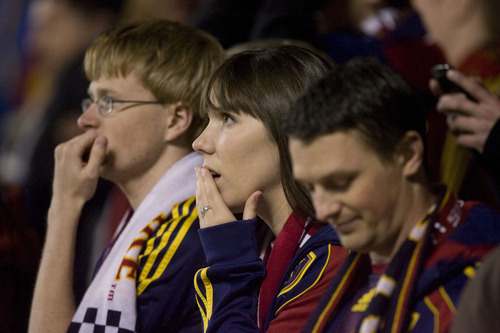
42 85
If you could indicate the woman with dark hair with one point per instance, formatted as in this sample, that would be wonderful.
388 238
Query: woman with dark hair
269 283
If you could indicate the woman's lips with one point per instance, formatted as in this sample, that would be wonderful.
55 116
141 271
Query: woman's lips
215 175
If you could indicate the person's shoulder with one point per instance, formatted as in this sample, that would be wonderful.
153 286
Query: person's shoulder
480 225
481 217
174 244
185 208
180 223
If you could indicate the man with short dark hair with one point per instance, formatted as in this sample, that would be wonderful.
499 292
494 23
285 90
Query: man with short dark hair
357 138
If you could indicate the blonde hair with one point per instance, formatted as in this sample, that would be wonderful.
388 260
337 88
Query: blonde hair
171 59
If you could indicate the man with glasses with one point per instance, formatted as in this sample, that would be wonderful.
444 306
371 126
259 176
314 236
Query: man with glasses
139 122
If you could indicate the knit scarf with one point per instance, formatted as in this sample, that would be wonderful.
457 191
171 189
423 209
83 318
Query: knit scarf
390 309
109 303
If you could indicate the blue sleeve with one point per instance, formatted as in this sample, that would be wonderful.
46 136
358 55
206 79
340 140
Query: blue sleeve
167 265
227 290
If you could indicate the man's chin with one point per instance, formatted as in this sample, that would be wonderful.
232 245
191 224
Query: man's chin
349 242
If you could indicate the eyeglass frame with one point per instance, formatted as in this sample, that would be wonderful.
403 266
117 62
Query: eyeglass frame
87 102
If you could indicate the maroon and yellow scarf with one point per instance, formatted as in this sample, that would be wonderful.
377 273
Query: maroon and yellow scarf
390 310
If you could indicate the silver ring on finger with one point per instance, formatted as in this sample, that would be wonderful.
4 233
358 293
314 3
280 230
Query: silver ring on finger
204 210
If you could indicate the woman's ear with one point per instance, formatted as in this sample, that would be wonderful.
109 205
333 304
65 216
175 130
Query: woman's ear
179 120
410 154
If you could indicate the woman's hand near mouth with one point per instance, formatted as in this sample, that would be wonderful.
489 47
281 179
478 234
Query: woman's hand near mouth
207 195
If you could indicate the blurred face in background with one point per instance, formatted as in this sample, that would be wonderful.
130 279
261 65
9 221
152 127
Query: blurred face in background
173 10
436 17
58 33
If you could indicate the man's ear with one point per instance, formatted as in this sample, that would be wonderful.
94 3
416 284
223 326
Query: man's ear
179 120
410 153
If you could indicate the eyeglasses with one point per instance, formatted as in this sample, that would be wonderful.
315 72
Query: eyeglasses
105 104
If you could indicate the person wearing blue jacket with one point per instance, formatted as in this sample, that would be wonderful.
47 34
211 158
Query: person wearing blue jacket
252 283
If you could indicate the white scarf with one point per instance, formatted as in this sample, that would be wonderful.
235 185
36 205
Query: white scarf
110 300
